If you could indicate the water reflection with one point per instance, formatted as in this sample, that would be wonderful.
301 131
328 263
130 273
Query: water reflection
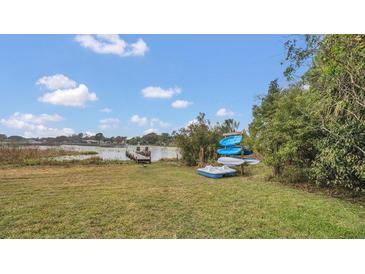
116 153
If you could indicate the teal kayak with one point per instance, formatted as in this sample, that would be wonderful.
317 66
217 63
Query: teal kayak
234 151
231 140
229 151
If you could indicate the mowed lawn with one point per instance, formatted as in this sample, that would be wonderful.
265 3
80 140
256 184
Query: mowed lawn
164 200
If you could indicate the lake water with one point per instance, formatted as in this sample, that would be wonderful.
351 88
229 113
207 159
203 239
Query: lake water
117 153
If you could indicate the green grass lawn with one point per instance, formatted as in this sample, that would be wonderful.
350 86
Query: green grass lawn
164 200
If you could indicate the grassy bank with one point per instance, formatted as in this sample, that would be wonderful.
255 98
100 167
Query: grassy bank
20 156
164 200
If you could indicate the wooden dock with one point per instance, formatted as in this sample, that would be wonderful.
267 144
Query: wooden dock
138 158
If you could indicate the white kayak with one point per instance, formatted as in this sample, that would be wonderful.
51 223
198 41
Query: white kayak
230 161
251 161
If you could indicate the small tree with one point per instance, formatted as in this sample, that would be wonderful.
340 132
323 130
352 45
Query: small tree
150 139
120 139
201 136
283 131
261 128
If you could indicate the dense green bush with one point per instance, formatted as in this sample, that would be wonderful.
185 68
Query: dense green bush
318 127
292 174
338 77
282 131
341 161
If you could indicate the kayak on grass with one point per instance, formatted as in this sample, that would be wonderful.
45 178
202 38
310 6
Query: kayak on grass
216 172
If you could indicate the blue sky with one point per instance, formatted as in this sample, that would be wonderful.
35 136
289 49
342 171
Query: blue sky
131 84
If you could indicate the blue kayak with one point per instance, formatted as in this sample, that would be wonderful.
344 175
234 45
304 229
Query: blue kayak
247 151
231 140
234 151
229 151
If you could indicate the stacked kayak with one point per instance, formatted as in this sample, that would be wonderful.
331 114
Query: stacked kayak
251 161
231 140
216 172
230 161
234 150
231 146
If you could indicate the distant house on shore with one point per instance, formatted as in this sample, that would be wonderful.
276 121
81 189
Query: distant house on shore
92 142
34 142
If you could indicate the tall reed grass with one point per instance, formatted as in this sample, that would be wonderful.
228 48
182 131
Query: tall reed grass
25 155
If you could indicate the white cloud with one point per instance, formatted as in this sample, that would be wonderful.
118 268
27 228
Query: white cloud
153 122
89 133
57 81
27 120
181 104
136 119
156 121
75 97
223 112
150 130
34 125
112 44
138 48
109 123
106 110
158 92
43 131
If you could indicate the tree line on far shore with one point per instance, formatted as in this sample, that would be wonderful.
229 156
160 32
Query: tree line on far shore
163 139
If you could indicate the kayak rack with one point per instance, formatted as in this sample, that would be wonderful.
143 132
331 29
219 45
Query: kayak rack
240 156
232 133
